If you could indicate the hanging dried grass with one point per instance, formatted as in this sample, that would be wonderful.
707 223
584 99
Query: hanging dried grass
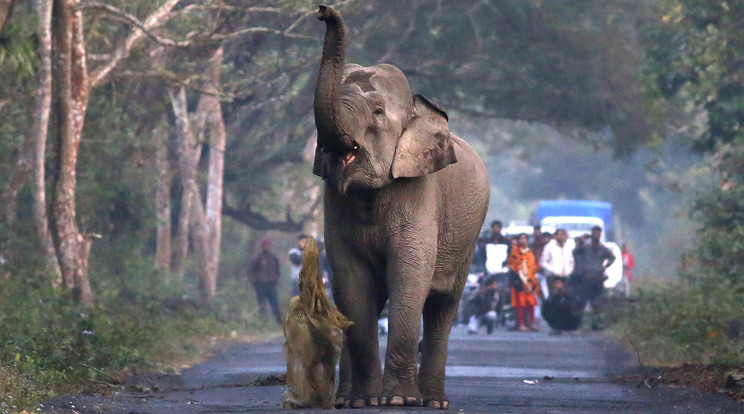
314 332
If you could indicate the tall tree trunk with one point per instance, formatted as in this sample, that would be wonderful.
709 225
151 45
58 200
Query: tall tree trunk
162 199
204 227
217 137
189 152
72 92
39 131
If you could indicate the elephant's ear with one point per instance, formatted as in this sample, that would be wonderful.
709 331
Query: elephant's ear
425 146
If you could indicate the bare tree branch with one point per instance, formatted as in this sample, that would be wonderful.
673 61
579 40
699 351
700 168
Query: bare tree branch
175 80
157 18
258 221
194 39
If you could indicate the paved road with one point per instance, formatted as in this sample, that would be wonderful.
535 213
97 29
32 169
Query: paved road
506 372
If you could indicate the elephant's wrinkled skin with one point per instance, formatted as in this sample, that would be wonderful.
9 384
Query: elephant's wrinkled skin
404 203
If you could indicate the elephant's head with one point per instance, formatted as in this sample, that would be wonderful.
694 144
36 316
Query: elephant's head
371 129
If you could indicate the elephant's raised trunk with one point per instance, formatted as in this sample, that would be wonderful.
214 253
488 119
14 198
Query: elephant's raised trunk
327 90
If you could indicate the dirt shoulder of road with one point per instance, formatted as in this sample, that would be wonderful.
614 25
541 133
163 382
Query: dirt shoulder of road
706 378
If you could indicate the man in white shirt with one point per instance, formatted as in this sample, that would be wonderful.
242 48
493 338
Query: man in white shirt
557 259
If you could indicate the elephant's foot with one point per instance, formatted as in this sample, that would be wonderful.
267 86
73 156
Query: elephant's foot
441 404
402 395
434 396
343 402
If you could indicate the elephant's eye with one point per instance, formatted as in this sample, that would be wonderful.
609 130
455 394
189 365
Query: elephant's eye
379 111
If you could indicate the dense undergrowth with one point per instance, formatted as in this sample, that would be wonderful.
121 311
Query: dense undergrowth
678 322
49 345
697 318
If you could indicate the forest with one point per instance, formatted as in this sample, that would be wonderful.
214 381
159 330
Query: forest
146 147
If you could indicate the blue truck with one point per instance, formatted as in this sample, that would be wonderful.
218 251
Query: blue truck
577 217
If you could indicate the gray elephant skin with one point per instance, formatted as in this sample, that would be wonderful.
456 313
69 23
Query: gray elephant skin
404 202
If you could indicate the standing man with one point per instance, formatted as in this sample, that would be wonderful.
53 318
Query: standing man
295 260
264 275
595 259
557 260
496 236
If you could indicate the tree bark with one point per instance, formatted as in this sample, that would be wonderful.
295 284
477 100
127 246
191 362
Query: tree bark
38 135
217 137
203 225
24 164
72 91
189 152
162 199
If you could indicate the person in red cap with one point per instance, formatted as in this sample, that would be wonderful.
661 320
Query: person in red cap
263 273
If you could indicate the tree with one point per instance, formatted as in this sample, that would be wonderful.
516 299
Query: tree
217 137
38 134
695 58
569 64
71 89
72 85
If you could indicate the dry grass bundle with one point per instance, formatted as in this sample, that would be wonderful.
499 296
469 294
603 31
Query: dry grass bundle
314 332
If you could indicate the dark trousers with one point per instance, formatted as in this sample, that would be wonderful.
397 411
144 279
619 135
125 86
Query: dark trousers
266 294
591 288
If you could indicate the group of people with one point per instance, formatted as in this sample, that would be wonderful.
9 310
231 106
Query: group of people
572 270
263 272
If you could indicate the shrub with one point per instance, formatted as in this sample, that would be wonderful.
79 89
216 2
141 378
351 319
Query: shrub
684 322
52 345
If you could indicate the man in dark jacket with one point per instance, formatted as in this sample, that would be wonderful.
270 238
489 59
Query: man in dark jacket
590 263
263 273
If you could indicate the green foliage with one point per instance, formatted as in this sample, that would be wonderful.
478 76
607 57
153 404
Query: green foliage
17 390
695 51
51 345
17 51
694 56
720 253
568 63
683 321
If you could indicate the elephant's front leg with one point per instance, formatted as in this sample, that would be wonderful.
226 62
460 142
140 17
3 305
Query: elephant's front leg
439 314
409 278
360 376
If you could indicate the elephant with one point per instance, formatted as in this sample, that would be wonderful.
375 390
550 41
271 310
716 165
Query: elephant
404 203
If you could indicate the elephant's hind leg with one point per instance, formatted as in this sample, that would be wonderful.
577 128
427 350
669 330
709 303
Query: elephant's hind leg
439 313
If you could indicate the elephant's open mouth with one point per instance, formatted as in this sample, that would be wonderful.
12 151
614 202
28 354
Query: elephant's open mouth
348 159
350 156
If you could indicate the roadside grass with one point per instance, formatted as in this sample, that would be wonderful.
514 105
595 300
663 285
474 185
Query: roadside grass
676 322
686 328
49 345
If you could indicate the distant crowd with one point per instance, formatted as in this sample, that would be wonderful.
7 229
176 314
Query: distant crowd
540 266
548 265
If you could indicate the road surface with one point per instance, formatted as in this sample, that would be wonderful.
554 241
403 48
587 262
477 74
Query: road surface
505 372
